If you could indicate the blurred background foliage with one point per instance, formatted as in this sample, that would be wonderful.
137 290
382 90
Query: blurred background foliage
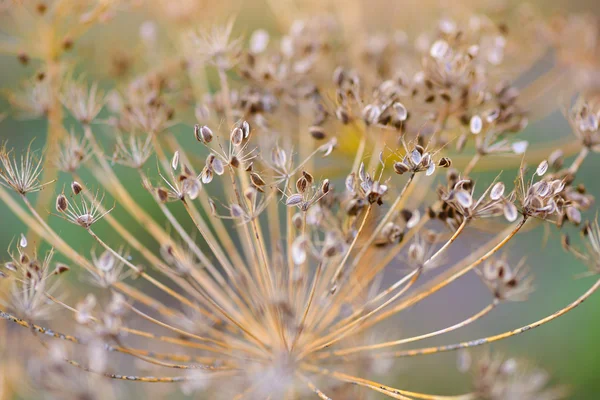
568 348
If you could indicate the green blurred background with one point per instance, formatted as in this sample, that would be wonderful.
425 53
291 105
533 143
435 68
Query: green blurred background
569 348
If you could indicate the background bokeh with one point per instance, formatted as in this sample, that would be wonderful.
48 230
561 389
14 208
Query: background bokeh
569 348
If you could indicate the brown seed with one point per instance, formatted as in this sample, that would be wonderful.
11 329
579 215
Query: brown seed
256 179
406 214
317 132
301 184
206 135
237 136
400 168
445 162
76 187
162 194
308 176
342 115
325 186
61 203
60 269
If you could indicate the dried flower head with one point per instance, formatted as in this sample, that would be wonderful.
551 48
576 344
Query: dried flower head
285 293
499 378
21 174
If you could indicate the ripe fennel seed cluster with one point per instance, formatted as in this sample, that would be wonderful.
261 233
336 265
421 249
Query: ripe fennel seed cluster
330 183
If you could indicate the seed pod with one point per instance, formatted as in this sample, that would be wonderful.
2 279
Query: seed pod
497 191
542 168
520 147
76 188
246 129
256 179
301 184
510 212
207 175
350 182
476 124
325 186
278 157
293 200
573 215
317 132
308 176
439 49
60 269
236 211
445 162
464 198
371 114
175 161
23 241
10 266
206 135
234 162
162 195
213 208
217 166
236 136
61 203
400 168
401 112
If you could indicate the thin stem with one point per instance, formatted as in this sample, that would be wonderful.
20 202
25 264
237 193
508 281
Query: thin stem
393 208
469 320
338 271
341 333
309 303
428 262
386 390
583 153
312 387
495 338
471 164
422 294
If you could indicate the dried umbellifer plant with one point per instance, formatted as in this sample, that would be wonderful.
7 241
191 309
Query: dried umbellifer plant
322 165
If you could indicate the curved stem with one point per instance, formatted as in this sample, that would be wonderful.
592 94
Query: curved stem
386 390
422 294
461 324
495 338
